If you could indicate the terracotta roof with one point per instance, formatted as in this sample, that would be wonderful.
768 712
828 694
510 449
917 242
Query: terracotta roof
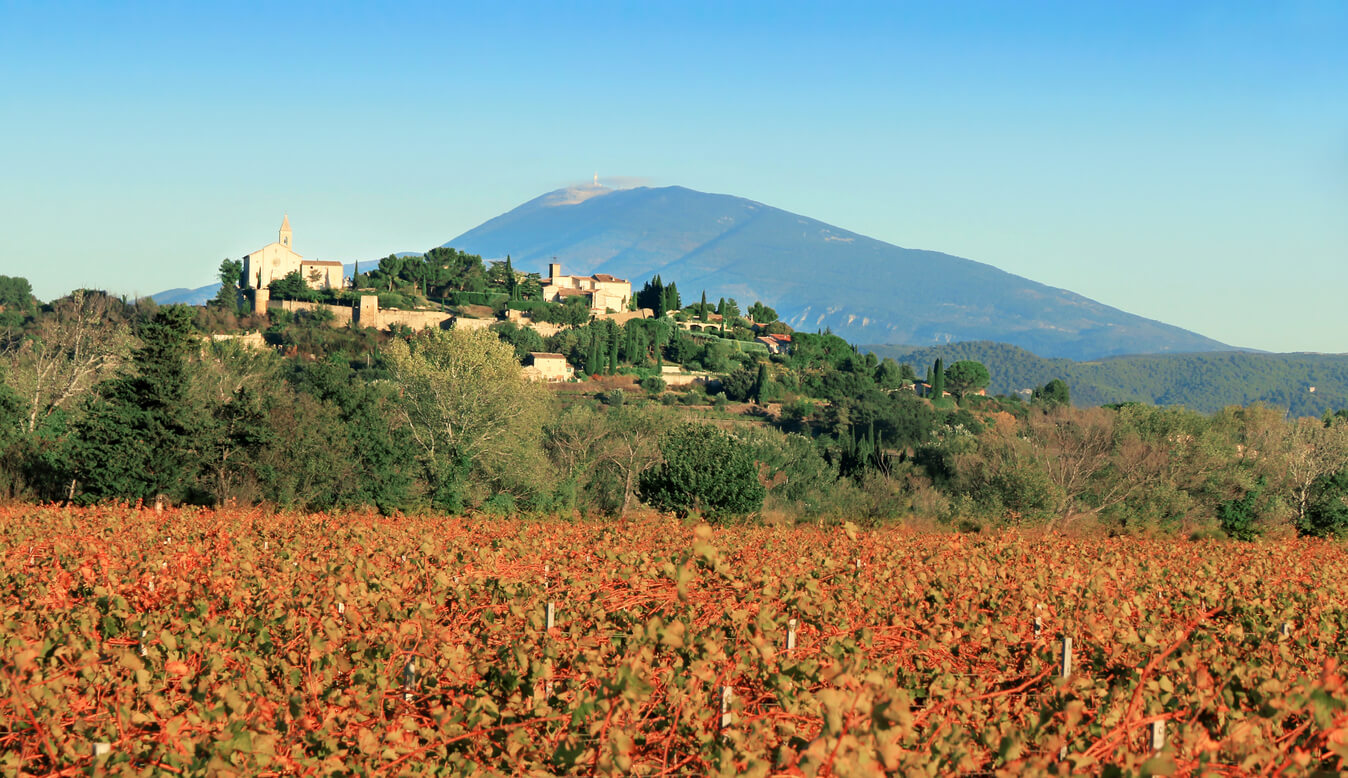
325 262
783 337
608 278
537 355
575 292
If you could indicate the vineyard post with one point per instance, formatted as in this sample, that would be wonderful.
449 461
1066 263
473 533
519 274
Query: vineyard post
102 749
726 696
552 616
1286 628
341 608
1038 621
1066 657
409 678
790 636
1158 735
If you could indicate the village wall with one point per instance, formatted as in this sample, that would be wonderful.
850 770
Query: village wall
341 314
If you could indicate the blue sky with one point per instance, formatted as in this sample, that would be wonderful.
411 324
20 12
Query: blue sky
1183 161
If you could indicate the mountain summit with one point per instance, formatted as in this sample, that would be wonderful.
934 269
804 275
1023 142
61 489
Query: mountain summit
815 275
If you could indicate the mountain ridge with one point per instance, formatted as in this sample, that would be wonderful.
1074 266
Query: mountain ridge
815 274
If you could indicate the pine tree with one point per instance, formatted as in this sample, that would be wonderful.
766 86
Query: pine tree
139 435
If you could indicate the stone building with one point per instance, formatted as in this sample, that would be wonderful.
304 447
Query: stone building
548 367
603 291
276 260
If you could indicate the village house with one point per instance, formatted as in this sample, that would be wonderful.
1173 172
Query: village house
603 291
779 343
277 260
552 368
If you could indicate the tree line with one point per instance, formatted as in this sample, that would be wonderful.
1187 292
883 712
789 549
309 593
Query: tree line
104 399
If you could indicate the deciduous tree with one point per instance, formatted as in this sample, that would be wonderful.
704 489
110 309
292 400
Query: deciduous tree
705 470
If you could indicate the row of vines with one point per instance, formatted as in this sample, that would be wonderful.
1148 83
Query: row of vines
243 642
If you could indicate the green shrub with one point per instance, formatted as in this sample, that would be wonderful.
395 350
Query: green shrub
499 504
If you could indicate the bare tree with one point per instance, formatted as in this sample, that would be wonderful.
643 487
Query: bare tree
1310 451
631 444
69 351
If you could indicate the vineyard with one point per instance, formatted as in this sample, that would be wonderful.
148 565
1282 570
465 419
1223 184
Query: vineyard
256 644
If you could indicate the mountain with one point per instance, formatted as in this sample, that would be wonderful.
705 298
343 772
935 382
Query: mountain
816 275
1305 384
204 294
199 296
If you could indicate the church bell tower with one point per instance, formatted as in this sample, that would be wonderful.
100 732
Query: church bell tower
285 232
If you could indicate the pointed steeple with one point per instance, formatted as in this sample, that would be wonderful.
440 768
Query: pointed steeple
285 236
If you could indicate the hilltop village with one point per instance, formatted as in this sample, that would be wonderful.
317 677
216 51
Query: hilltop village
444 289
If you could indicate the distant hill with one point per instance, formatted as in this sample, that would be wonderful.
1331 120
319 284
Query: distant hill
1204 382
817 276
199 296
204 294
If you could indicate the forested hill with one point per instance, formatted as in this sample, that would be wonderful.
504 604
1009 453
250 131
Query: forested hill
1205 382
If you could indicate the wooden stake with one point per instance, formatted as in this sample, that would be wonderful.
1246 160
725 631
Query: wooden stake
726 696
1066 657
790 636
409 678
1157 735
552 616
341 608
102 749
1286 628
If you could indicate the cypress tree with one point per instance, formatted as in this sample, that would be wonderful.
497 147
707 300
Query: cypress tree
613 355
760 382
938 380
702 309
592 358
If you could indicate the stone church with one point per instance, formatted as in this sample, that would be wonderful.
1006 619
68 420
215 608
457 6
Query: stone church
276 260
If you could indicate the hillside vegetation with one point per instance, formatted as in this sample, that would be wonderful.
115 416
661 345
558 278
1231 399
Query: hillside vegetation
1205 382
104 401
